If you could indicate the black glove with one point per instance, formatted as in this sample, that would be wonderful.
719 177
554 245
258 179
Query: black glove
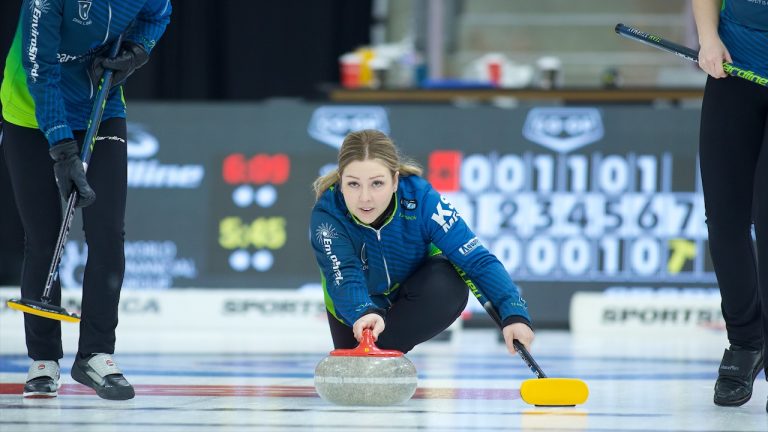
131 57
69 172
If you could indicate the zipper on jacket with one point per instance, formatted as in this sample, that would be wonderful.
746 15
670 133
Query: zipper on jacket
386 269
381 247
378 237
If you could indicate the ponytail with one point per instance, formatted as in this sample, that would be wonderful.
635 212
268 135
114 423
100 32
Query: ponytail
322 183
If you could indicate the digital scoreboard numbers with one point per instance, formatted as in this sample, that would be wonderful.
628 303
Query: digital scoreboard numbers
579 217
252 224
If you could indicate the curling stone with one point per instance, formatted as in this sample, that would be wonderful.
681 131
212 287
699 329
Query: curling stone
365 375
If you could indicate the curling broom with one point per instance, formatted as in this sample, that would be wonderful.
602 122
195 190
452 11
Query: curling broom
44 307
543 391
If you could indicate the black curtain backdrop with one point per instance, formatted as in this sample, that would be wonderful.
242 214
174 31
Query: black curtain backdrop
241 49
219 50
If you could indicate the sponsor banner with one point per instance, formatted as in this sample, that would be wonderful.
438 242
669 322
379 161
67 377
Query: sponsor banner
195 320
150 264
563 129
145 170
330 124
647 312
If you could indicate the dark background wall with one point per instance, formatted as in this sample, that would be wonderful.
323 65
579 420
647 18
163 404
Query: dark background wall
242 49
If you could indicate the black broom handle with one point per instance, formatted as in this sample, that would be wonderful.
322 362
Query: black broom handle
684 52
90 138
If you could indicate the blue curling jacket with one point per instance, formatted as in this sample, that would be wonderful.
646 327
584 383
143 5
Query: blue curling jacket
363 267
46 84
744 31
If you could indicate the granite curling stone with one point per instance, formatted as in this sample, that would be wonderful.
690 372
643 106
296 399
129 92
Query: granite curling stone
366 376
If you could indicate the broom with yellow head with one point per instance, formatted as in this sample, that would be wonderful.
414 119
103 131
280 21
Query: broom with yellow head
543 391
45 308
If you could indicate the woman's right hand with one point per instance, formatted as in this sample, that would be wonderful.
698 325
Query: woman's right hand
371 321
712 55
520 332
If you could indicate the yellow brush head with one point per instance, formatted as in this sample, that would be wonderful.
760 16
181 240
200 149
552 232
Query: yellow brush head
554 391
43 310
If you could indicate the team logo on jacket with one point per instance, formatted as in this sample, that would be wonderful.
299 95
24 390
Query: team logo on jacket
408 204
445 214
325 233
83 9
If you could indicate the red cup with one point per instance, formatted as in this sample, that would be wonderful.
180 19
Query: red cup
494 73
350 71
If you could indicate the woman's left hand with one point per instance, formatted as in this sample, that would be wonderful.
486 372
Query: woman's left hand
518 331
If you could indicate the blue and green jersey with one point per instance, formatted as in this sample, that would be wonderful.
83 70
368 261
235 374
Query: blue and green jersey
744 31
46 84
363 267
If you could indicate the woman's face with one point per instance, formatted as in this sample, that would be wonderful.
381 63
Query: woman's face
367 187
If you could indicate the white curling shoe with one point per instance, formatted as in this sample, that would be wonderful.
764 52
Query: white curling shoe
42 380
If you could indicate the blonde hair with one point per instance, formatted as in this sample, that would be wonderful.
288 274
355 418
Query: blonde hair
364 145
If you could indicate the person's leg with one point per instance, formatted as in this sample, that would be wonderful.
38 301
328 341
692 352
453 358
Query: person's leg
39 207
761 232
429 301
11 229
761 224
731 135
730 140
104 225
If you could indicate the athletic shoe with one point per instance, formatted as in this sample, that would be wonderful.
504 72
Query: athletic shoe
42 380
99 372
736 375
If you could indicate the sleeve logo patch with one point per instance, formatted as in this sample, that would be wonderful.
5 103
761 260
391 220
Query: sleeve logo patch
408 204
469 246
325 233
445 215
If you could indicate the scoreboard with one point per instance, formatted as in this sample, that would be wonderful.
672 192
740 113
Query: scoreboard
605 218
